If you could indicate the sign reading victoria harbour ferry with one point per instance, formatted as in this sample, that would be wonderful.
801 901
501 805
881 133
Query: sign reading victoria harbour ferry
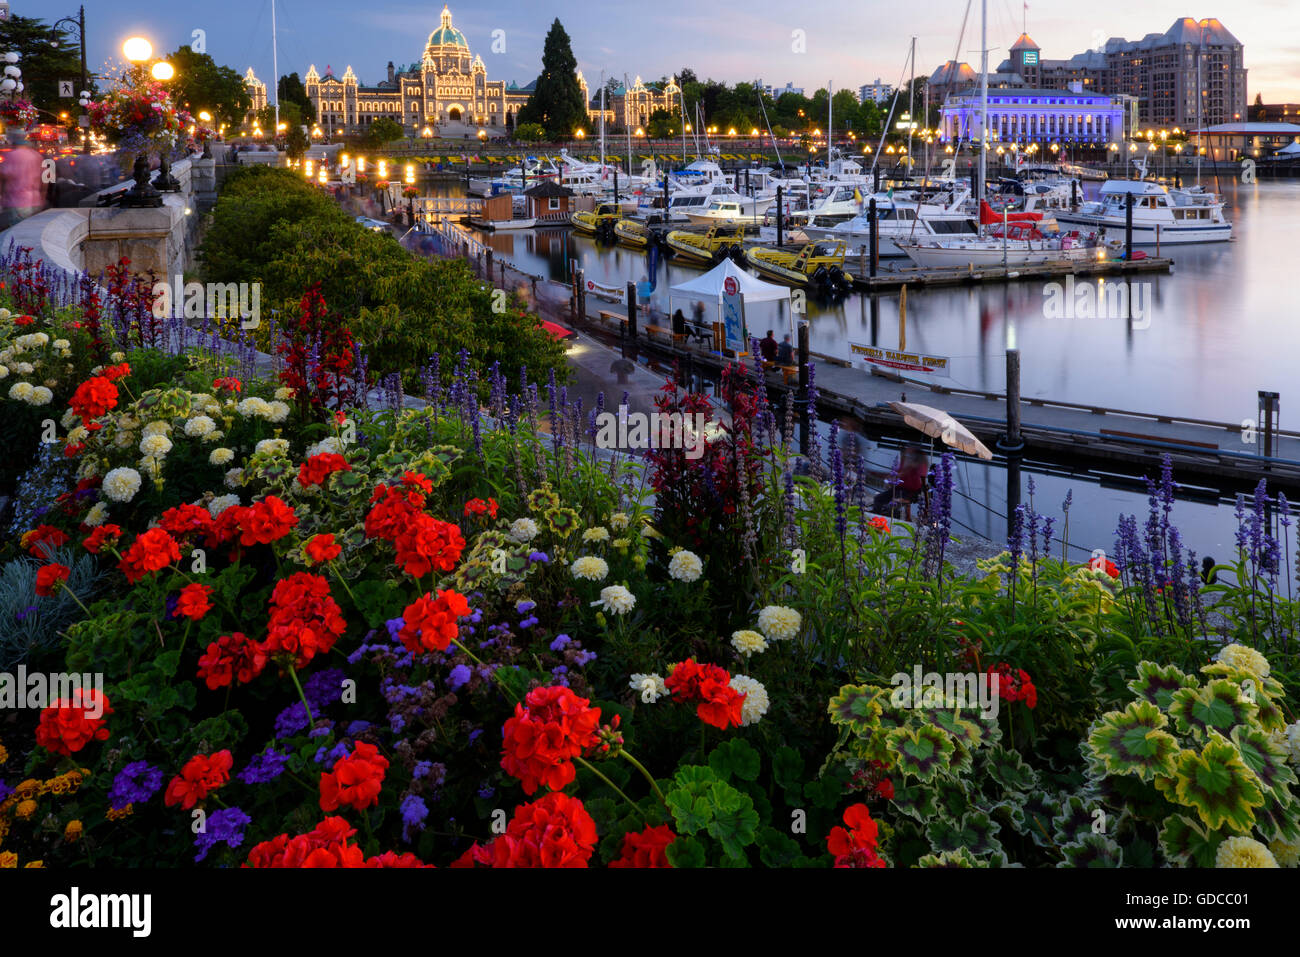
900 361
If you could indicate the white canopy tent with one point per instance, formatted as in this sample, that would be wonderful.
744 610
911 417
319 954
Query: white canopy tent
1291 149
711 288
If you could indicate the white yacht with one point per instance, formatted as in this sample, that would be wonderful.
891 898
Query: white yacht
898 221
1159 214
744 210
1021 244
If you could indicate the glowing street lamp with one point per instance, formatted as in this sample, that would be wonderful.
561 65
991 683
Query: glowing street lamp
324 176
409 173
382 169
579 133
162 71
137 49
344 160
361 164
309 168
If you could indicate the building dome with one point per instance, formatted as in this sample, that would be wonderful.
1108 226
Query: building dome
446 35
953 73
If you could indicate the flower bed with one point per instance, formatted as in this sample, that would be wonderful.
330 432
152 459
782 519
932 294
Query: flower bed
457 636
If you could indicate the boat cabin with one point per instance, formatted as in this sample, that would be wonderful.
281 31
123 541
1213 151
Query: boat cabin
549 202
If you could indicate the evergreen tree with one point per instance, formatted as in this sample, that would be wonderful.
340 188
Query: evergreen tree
556 103
46 56
201 84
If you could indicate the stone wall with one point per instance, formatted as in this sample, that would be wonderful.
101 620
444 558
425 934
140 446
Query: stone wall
91 237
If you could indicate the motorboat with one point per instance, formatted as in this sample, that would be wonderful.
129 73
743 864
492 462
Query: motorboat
704 248
632 233
599 220
748 212
818 266
1160 214
1019 244
899 218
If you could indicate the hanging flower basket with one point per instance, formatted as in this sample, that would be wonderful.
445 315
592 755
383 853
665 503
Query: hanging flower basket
19 112
139 119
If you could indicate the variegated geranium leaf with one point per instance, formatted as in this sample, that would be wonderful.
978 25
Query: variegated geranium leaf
856 706
962 761
1039 811
1157 683
951 797
1217 784
1010 813
1133 742
1092 850
966 730
1265 756
1075 819
1008 769
916 801
920 752
1219 706
1185 841
1279 817
976 831
961 857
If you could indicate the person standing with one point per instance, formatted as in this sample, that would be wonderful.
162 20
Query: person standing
768 347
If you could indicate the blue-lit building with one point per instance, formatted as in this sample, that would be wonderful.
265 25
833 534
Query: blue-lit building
1035 116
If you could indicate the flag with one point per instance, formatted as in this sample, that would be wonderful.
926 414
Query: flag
857 196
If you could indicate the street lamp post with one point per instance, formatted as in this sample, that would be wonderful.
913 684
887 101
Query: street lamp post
138 50
162 71
79 23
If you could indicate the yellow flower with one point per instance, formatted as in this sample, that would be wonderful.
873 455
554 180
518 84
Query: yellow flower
115 814
34 864
28 789
4 754
1246 659
25 809
1287 853
1243 852
8 859
73 831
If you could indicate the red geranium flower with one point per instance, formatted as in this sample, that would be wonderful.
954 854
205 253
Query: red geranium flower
324 846
266 521
233 657
645 848
186 521
48 576
100 536
152 550
855 847
476 506
550 728
66 726
201 775
430 624
304 619
718 704
425 543
355 780
93 398
228 382
42 539
320 467
554 831
879 524
119 371
23 320
322 548
1014 685
193 601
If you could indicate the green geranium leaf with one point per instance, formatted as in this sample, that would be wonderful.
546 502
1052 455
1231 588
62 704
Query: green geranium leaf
976 832
1092 850
1157 683
1008 769
824 793
1132 742
964 730
915 800
920 752
1010 813
951 797
1218 785
1218 706
787 771
961 857
1279 818
735 757
776 849
734 820
1183 840
1074 820
686 852
1040 809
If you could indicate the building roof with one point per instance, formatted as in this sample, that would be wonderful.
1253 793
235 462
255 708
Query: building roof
1024 43
953 72
446 35
548 188
1251 129
1209 31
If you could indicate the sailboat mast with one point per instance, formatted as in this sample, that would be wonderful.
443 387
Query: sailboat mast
626 88
275 71
602 125
830 124
911 108
984 94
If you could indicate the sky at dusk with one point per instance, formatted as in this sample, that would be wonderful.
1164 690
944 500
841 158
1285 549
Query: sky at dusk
849 44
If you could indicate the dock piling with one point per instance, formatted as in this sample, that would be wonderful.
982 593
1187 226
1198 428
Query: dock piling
875 237
1128 228
779 216
803 388
1013 441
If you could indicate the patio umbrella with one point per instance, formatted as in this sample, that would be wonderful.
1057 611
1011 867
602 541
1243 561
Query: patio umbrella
940 425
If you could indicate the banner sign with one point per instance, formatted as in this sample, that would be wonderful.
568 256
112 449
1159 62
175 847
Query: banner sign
733 315
613 293
900 361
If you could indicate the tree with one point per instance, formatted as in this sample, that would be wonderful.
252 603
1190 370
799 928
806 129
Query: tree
1257 111
686 75
530 132
662 125
556 102
385 130
296 142
201 84
45 56
290 115
290 89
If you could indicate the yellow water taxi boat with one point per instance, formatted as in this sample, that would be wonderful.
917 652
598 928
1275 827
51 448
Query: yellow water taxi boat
818 266
603 218
631 233
704 248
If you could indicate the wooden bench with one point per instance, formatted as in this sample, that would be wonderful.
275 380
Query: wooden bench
657 330
609 316
790 374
